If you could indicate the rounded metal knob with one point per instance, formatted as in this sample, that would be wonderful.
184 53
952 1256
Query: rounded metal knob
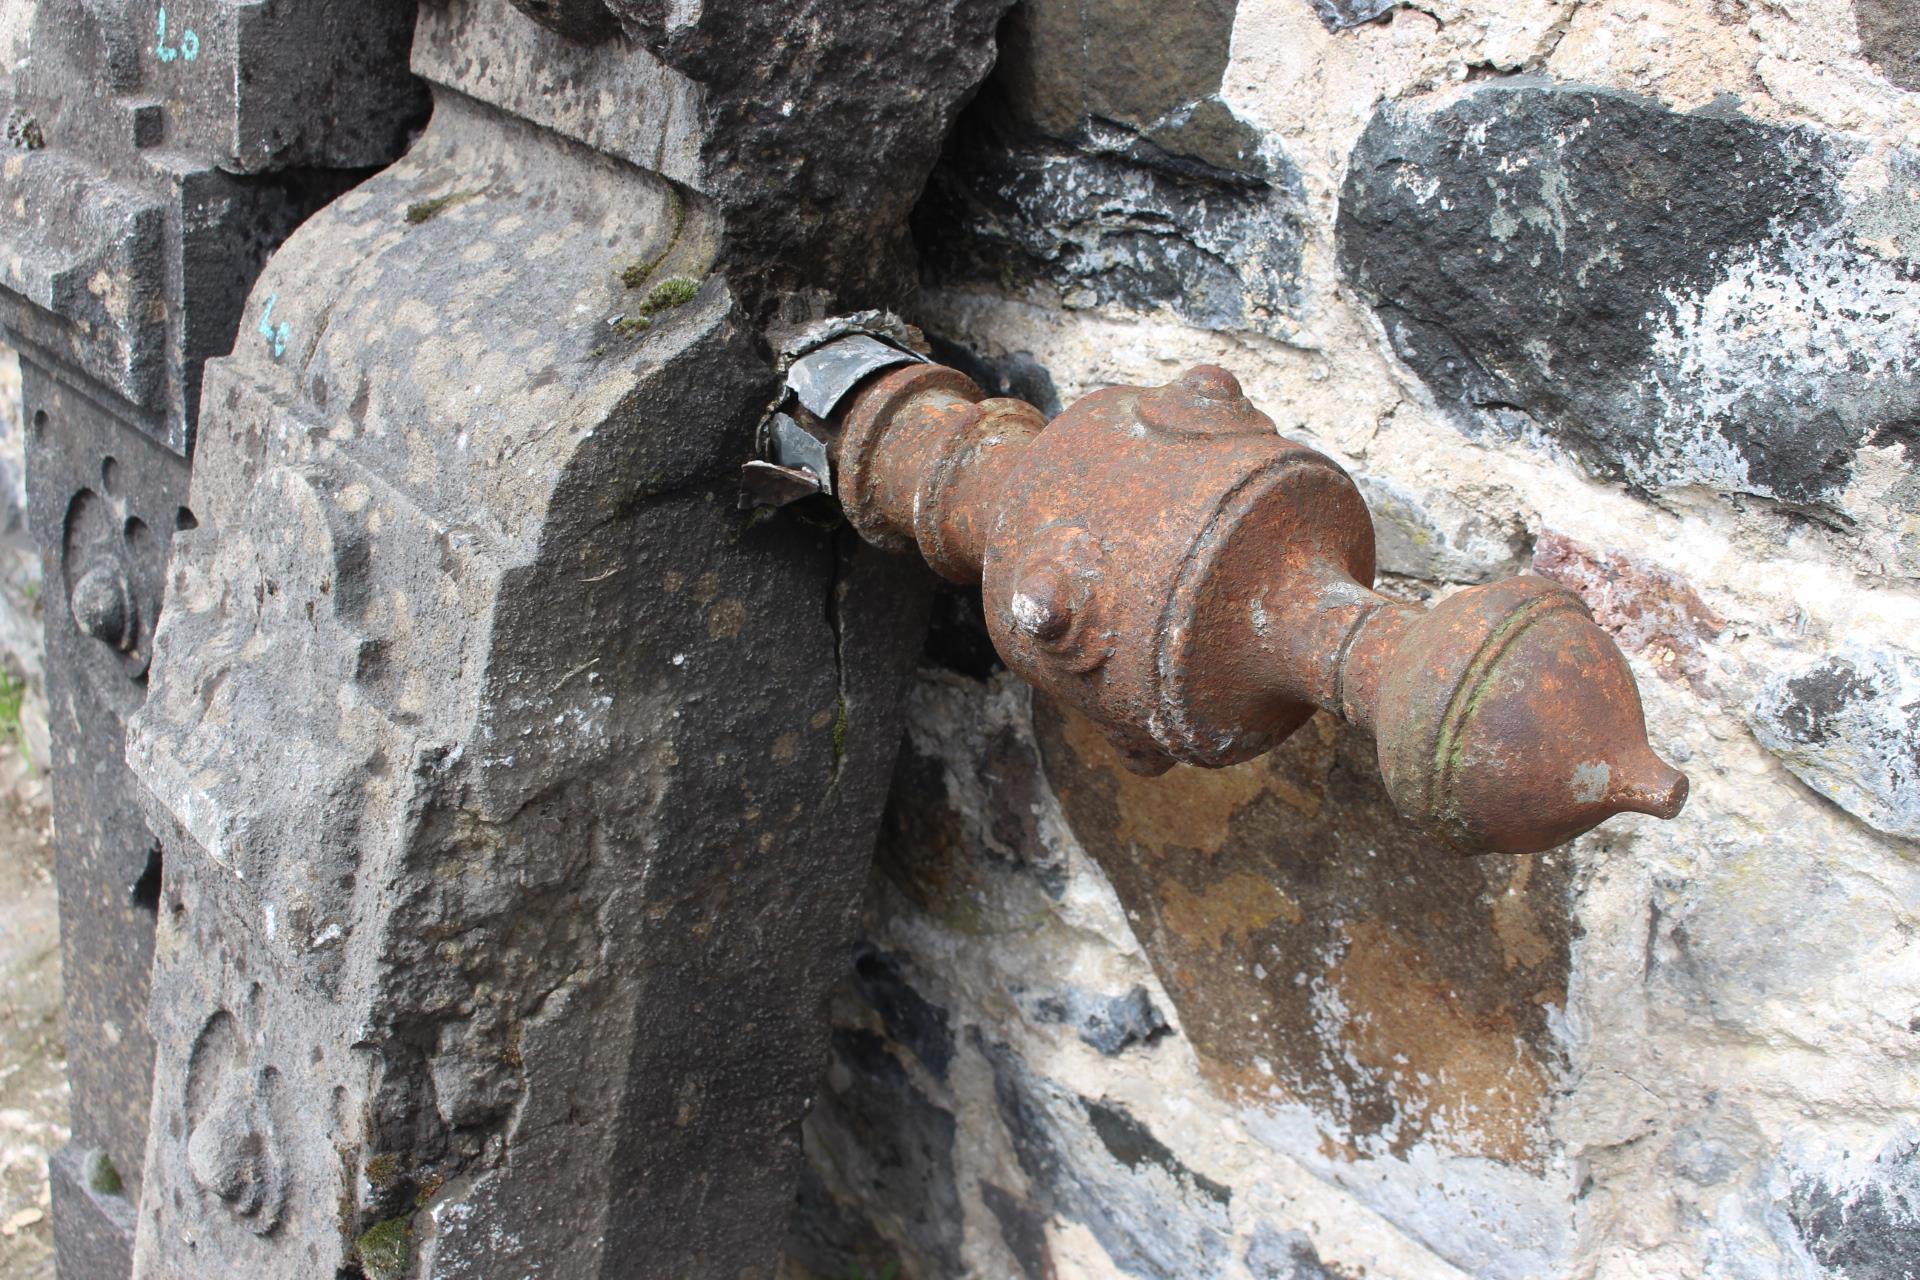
1040 606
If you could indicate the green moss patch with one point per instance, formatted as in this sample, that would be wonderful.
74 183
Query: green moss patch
674 291
426 210
103 1178
386 1249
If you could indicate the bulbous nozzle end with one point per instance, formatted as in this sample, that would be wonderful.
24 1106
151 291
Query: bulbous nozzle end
1647 784
1508 722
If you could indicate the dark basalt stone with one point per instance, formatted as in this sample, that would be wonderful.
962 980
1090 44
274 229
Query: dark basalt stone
822 121
1869 1230
1675 299
893 1147
1090 1162
1118 219
910 1018
1100 163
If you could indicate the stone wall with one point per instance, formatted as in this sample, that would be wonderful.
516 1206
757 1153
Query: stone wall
1618 291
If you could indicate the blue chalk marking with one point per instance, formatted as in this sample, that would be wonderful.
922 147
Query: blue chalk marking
275 334
189 42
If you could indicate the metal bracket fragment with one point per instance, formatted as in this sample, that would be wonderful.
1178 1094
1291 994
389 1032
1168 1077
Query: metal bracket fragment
821 379
823 366
792 445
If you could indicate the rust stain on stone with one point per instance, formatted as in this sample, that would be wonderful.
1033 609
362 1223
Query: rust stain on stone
1455 1071
725 619
1322 951
1523 942
1233 910
1192 806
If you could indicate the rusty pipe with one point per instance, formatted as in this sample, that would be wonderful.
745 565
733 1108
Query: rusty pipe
1197 586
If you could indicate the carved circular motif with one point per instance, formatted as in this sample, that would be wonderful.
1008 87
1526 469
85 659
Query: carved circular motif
112 564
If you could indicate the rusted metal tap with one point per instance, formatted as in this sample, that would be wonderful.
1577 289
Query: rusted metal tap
1196 585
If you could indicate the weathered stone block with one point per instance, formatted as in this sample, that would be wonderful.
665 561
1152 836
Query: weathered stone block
522 787
93 1224
1678 300
206 132
1100 165
1848 724
105 500
818 122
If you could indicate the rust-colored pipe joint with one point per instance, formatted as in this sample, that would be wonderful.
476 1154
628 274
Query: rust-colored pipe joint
1197 586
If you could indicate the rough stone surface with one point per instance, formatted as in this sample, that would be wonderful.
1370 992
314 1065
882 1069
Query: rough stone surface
1680 299
818 124
1648 610
1286 1255
95 1226
104 499
1848 725
1100 165
1091 1163
1357 961
1112 224
1867 1226
514 979
147 204
1890 39
1440 537
1110 1024
1337 15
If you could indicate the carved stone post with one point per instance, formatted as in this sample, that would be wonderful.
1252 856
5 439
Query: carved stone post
156 154
522 789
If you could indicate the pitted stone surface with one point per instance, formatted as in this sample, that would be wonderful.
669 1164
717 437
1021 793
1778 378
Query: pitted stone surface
147 203
1890 39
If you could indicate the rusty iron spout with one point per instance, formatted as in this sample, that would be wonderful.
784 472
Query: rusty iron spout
1196 585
